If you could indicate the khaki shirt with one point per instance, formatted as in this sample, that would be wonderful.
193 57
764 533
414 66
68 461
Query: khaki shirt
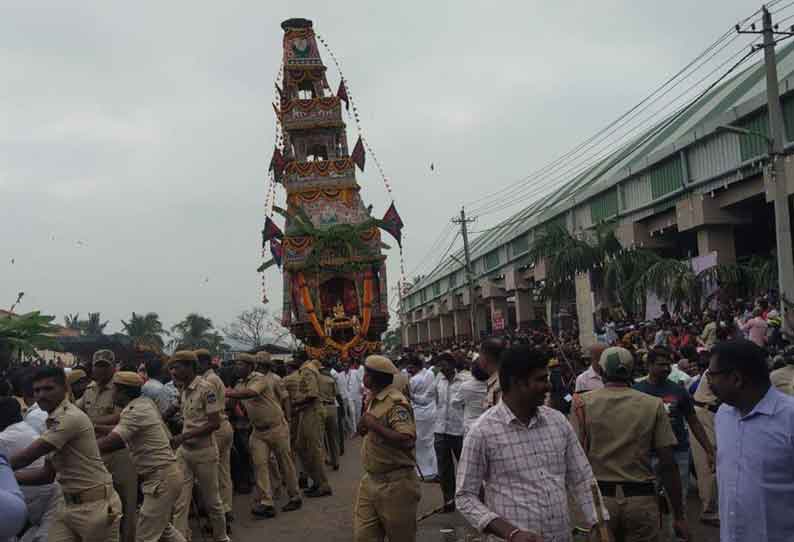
703 393
308 385
327 386
392 410
493 393
291 383
97 401
401 383
198 402
264 410
143 432
76 457
783 379
619 428
219 387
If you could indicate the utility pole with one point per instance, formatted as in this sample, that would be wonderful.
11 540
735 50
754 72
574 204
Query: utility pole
777 171
464 231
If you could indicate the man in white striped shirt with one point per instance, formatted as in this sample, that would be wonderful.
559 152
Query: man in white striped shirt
528 457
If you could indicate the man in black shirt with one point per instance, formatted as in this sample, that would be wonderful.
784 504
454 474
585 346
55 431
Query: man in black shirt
679 407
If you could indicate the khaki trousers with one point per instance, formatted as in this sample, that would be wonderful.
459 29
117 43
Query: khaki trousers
160 492
125 482
387 508
262 443
707 480
310 445
96 521
200 465
331 431
633 519
223 439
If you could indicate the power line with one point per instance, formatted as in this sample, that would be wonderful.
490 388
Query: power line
440 240
575 169
720 44
611 124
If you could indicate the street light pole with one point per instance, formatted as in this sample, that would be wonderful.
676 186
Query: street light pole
777 172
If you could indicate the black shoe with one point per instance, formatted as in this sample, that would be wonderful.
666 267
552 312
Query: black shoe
303 482
335 467
294 504
262 511
449 508
317 492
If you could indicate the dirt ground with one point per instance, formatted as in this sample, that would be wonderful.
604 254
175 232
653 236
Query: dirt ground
330 519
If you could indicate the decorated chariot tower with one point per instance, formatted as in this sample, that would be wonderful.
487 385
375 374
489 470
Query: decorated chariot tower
335 294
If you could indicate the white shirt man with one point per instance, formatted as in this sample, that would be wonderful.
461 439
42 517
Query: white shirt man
423 395
41 500
353 385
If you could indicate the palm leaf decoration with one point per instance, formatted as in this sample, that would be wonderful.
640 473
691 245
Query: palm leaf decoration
342 239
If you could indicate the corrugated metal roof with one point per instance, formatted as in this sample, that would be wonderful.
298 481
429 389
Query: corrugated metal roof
731 98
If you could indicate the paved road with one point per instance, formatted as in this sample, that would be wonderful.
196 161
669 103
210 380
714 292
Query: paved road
329 519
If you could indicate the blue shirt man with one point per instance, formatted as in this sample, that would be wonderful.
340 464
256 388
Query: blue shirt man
755 446
755 470
13 511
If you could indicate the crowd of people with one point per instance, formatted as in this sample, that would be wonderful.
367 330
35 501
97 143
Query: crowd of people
527 435
648 437
159 439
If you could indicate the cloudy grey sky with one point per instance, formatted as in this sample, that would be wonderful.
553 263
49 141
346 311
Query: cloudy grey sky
143 130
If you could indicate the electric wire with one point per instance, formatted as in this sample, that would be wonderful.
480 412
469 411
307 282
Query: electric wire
720 44
624 142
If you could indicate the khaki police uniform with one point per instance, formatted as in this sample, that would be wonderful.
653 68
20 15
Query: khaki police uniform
223 439
270 435
91 509
328 394
389 492
706 405
493 393
142 429
198 459
309 426
97 402
291 384
619 428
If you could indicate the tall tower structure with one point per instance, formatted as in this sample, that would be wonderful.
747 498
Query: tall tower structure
335 293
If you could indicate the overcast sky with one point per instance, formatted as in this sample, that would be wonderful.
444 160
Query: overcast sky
135 137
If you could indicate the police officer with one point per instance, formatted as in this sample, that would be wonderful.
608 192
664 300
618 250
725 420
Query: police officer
328 397
196 451
141 430
307 409
224 435
91 508
389 493
262 397
619 428
706 406
97 402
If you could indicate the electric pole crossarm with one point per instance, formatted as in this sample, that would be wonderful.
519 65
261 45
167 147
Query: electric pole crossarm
464 231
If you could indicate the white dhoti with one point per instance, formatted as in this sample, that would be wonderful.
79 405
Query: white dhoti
423 400
354 403
425 451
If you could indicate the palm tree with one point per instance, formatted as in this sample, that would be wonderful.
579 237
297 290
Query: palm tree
94 325
197 331
146 331
23 335
72 321
566 255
